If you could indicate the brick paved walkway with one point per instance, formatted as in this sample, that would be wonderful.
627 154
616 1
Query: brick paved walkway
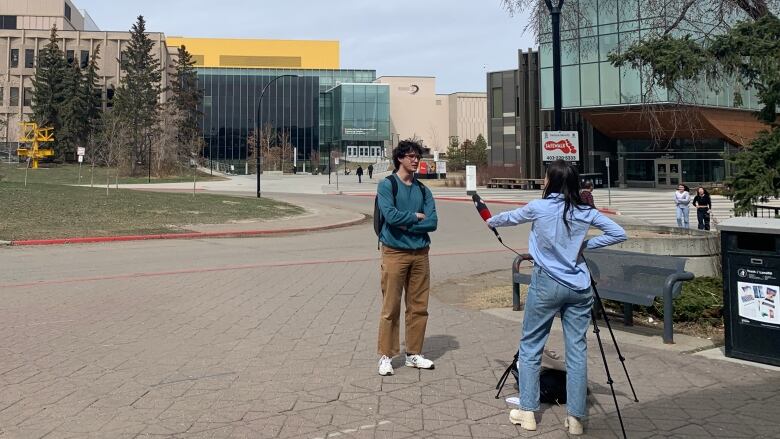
275 338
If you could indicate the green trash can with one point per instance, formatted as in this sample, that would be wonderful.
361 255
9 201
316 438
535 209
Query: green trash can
750 248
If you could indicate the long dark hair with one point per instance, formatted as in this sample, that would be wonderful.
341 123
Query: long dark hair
563 178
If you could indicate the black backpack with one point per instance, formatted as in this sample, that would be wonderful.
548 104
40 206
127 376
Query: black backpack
379 220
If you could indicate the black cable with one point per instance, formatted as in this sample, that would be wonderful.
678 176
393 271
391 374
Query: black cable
502 242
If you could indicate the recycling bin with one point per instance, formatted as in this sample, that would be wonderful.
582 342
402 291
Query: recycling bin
750 249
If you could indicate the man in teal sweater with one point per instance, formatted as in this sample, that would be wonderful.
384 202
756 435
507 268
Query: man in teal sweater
409 216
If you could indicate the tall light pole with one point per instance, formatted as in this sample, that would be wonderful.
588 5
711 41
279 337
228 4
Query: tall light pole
555 13
258 144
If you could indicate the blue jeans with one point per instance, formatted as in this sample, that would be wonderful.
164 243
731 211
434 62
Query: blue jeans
682 216
545 298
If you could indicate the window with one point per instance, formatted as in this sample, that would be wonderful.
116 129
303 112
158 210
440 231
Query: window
590 84
610 84
1 96
14 97
28 94
570 86
110 98
14 57
67 11
70 56
29 58
498 103
84 59
7 21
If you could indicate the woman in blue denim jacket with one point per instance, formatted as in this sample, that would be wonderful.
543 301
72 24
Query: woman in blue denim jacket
560 283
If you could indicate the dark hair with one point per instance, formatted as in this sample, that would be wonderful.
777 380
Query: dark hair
587 185
702 188
405 147
563 178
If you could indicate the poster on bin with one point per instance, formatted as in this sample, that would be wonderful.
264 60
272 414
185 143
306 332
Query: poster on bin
759 302
560 145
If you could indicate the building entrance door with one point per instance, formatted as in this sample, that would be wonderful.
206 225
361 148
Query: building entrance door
668 173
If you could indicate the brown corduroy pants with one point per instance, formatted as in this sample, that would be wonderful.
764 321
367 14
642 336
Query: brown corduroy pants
407 273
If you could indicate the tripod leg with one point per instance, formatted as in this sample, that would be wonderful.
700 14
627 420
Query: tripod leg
606 368
505 376
614 341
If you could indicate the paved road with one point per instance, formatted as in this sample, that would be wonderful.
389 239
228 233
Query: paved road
275 338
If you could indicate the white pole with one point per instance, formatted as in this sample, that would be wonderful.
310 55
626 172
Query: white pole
609 184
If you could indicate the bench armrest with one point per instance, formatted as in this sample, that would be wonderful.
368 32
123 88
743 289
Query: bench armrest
672 280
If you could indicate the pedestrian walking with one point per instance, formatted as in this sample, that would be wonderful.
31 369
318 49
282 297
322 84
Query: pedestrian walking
359 173
409 213
560 283
587 193
681 200
370 171
703 204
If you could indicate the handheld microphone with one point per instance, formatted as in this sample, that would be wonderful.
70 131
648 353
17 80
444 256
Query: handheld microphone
483 211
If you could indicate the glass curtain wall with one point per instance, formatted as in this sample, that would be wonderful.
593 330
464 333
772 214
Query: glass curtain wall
361 118
589 80
299 106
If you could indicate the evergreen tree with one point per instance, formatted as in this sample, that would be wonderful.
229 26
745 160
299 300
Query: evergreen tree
72 111
48 88
454 155
186 98
91 93
478 154
136 100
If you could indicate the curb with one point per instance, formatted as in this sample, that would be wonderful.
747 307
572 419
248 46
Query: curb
196 235
467 200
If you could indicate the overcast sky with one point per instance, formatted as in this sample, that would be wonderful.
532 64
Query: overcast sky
456 41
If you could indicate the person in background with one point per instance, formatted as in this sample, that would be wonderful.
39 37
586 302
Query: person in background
359 173
703 204
560 283
370 171
681 200
587 193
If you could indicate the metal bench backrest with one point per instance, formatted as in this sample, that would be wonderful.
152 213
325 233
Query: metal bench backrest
626 277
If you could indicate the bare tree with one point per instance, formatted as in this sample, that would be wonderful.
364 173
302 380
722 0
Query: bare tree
111 145
267 137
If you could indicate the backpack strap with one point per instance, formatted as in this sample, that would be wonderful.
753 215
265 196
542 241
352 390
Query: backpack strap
394 185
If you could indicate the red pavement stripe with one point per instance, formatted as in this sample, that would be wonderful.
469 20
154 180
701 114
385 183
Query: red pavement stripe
465 199
230 268
194 235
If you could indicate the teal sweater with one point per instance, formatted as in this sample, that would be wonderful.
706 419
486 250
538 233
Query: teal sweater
402 230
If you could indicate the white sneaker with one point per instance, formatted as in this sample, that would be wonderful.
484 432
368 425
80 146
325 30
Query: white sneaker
419 362
385 366
574 425
523 418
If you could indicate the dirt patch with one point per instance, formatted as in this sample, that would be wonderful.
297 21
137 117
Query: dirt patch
483 291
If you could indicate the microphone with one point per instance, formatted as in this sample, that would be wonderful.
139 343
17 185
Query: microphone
483 211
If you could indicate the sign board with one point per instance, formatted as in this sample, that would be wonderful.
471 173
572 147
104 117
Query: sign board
608 162
560 145
436 156
441 167
336 160
81 150
81 158
423 168
471 179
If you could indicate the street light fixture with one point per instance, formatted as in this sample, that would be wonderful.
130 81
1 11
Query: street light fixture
257 127
555 13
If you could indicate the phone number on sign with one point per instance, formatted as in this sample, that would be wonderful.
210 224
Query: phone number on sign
560 157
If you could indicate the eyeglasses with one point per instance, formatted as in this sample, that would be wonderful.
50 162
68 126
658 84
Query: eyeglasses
412 157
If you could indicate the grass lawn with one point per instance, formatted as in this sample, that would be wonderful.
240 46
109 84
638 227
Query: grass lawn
60 211
50 173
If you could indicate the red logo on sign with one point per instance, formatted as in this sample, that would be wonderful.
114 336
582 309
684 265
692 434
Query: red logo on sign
564 145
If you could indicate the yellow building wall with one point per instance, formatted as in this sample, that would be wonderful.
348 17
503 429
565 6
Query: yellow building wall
229 52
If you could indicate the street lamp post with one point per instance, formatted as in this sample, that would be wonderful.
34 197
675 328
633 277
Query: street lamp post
555 13
257 128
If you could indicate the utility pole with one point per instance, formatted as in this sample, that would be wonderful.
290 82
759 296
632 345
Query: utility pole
555 13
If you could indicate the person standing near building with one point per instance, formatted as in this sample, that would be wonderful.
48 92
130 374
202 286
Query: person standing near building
703 204
409 213
587 193
370 171
681 200
359 173
560 283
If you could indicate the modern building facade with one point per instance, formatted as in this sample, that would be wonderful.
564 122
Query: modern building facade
416 111
682 144
322 113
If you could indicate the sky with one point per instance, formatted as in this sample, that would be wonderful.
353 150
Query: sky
457 41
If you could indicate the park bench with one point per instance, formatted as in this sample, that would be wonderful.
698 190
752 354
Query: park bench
515 183
630 278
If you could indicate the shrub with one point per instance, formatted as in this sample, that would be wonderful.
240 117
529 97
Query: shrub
701 301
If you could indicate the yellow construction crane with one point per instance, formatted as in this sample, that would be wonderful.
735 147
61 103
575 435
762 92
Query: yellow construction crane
33 135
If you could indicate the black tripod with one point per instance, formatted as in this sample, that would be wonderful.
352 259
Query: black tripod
512 369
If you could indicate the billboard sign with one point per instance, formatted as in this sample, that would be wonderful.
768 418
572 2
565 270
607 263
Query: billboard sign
560 145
